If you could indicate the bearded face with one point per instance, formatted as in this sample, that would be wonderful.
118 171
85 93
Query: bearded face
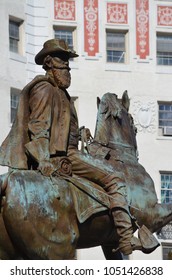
62 77
61 72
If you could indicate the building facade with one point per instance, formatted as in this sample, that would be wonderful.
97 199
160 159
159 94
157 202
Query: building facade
122 45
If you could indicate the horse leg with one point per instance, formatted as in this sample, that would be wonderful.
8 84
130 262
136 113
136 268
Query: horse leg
111 254
7 250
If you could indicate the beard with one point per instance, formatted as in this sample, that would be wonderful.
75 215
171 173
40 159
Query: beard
62 77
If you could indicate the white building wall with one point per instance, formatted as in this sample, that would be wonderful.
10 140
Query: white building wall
13 66
146 82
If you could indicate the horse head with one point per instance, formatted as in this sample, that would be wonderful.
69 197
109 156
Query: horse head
114 123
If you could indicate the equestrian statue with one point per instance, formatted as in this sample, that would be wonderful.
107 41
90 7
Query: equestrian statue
56 197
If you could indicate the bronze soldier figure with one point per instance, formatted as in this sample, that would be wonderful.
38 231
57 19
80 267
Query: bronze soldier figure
46 130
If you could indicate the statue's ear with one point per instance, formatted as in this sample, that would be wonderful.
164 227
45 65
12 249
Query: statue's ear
98 102
48 63
126 100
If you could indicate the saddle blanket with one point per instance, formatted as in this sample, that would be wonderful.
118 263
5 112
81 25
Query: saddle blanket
89 198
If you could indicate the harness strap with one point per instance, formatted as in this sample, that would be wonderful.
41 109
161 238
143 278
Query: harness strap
86 138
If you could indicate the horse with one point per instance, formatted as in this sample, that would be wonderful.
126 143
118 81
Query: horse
38 218
116 131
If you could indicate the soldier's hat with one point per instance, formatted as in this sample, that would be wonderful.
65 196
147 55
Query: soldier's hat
54 47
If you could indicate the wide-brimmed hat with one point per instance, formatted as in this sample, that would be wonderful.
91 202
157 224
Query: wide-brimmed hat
54 46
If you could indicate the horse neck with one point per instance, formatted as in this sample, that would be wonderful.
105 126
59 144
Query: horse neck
122 133
101 131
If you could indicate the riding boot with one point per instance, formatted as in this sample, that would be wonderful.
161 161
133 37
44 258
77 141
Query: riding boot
127 242
122 220
146 242
120 213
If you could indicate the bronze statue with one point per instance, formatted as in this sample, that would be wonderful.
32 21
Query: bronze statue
52 186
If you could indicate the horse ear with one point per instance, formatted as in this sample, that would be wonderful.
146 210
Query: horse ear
98 102
126 100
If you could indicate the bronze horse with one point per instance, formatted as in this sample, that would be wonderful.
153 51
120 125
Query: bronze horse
38 217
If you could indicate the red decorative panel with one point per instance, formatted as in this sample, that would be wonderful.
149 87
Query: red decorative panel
91 44
142 28
64 10
117 13
164 15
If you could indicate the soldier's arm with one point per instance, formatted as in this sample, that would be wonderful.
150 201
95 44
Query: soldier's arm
40 105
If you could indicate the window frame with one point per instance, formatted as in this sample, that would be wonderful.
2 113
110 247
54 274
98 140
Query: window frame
14 38
165 124
123 52
163 55
166 232
70 29
167 246
18 41
165 174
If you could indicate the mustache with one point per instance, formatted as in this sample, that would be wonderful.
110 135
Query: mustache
61 66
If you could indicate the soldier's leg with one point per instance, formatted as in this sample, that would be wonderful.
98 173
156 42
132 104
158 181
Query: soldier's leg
121 216
103 174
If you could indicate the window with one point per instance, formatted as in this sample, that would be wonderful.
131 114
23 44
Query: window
116 46
66 34
14 102
166 197
166 187
14 36
165 118
167 251
164 49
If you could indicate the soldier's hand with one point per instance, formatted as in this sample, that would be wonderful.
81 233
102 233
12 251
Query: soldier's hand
46 168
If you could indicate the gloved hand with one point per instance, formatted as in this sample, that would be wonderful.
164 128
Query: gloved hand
46 167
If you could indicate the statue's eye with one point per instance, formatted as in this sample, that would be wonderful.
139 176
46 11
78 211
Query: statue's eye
103 107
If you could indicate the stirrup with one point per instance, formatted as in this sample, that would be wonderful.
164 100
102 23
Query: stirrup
148 240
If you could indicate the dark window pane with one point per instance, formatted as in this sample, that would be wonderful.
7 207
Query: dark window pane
13 36
164 49
65 35
165 115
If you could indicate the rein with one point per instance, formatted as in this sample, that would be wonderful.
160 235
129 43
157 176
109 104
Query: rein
117 146
113 146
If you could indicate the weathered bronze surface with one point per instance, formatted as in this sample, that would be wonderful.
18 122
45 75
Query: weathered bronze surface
56 198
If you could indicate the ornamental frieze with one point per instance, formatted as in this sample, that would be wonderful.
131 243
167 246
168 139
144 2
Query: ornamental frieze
142 28
164 15
64 10
117 13
91 27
